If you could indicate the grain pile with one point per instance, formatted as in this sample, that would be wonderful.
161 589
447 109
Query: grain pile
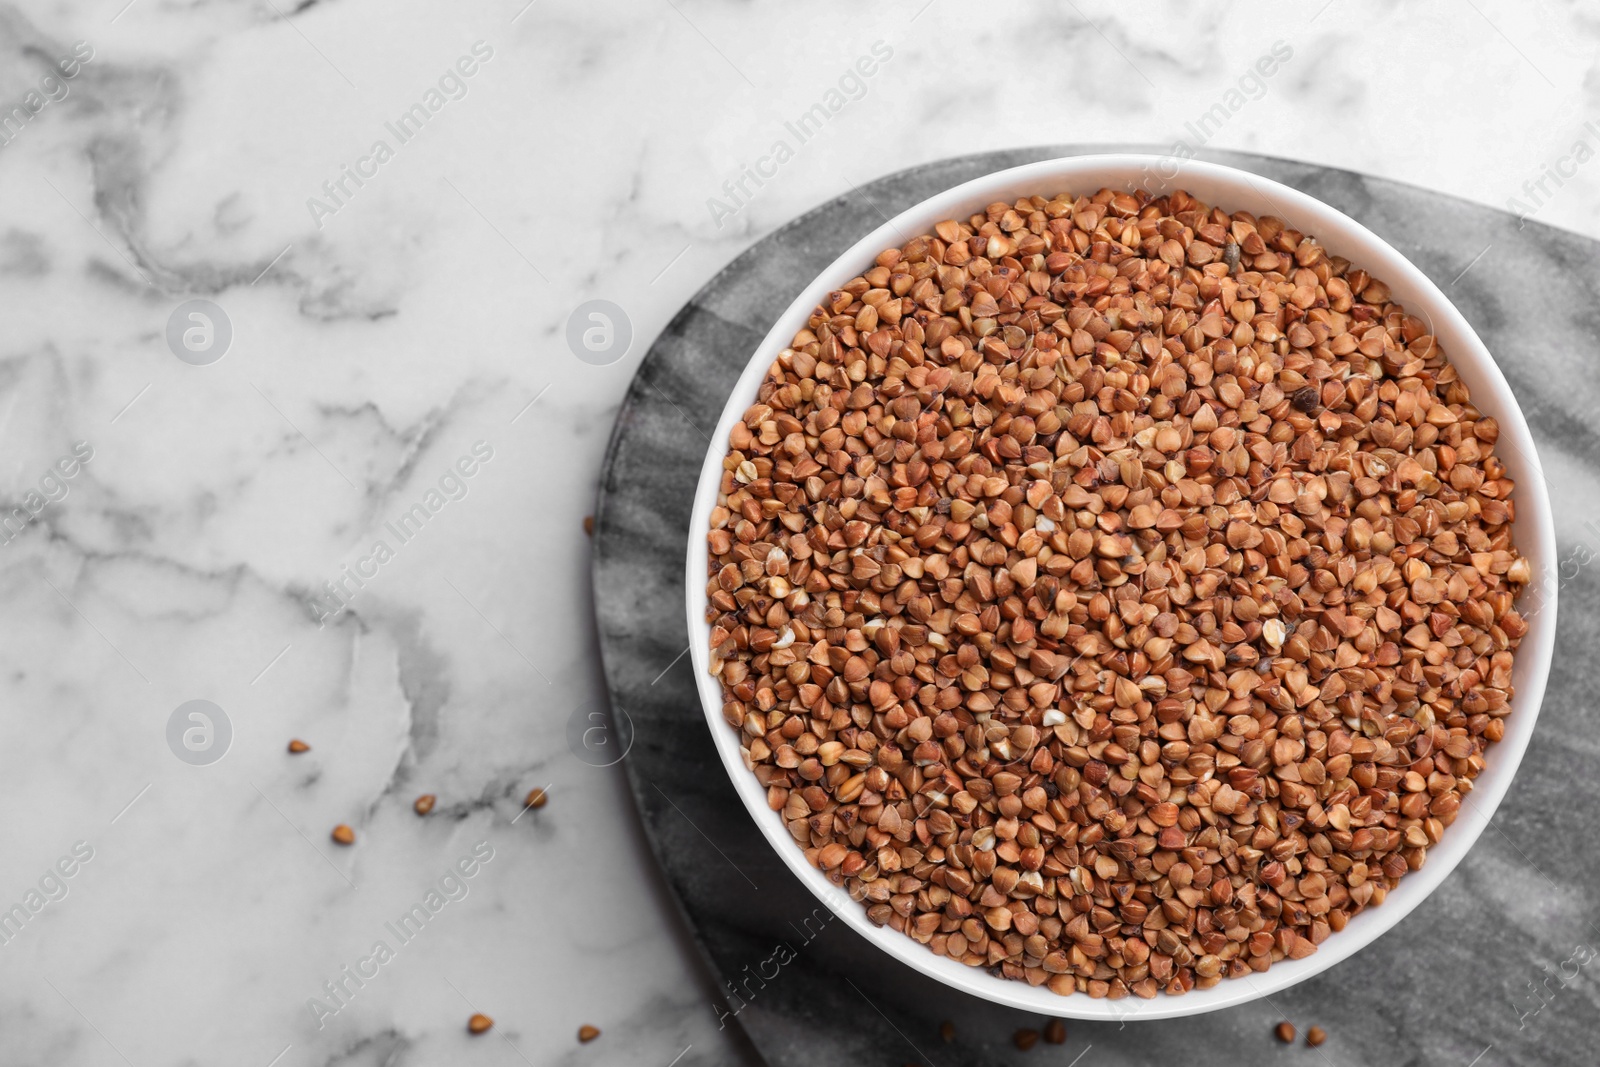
1114 593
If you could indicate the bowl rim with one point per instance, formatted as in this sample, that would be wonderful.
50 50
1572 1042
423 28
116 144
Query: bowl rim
1239 190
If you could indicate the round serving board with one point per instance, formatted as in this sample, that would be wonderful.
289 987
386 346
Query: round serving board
1452 983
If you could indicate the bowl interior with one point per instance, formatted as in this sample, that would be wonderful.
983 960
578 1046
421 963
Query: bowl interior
1232 190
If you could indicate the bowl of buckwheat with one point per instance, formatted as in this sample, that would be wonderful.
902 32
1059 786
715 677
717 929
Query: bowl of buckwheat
1119 596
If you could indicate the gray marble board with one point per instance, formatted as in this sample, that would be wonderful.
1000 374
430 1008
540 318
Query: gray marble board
1481 974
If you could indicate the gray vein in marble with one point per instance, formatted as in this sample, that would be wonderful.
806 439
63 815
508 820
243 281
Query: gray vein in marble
424 675
134 110
386 1048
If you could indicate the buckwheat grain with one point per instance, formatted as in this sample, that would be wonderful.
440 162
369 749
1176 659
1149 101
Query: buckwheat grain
1113 592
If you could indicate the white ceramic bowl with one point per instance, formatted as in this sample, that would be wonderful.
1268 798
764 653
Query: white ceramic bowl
1232 190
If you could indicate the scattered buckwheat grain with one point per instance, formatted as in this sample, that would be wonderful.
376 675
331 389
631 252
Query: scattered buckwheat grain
479 1023
1055 1032
424 803
1284 1032
298 746
537 798
1114 593
343 835
1315 1036
587 1033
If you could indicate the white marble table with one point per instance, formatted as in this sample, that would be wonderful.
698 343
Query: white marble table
384 332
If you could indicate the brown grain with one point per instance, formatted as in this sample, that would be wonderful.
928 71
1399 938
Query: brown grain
424 803
297 746
1108 609
537 798
343 835
1315 1036
479 1023
1285 1032
587 1033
